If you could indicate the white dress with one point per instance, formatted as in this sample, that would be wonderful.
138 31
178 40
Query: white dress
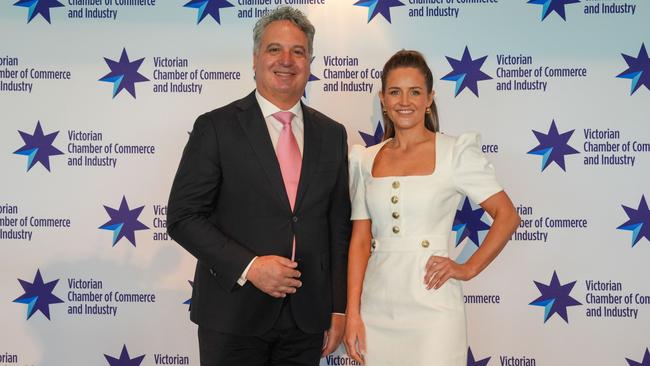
412 216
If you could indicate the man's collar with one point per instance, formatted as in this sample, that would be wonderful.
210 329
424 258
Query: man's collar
269 108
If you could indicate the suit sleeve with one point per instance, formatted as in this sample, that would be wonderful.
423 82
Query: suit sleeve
192 199
340 228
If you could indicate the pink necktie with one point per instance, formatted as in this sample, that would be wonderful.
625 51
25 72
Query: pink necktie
288 156
290 161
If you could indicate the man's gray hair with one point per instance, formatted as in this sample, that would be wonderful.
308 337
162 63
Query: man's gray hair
284 13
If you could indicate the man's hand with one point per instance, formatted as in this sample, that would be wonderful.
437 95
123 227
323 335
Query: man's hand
274 275
334 335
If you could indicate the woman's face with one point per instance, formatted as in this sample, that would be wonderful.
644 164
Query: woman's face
406 97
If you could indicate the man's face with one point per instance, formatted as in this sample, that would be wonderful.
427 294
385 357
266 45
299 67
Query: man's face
282 63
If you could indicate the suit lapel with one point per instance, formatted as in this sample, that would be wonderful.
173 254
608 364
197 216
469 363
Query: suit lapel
311 153
252 121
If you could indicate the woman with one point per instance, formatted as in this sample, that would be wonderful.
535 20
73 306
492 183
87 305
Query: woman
405 303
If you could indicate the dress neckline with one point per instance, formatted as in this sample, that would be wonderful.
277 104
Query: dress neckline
381 145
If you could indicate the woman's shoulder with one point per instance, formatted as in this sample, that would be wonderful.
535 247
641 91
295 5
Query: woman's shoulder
463 138
459 143
356 153
357 150
360 152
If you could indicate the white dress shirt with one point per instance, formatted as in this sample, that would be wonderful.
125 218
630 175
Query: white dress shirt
275 127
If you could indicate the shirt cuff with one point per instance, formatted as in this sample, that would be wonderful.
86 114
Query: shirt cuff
242 279
342 314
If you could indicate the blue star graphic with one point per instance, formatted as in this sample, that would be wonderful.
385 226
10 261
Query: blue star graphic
639 221
124 222
555 298
472 362
208 7
39 7
189 301
379 7
645 362
312 77
549 6
371 140
553 146
38 147
124 74
467 223
38 295
638 70
125 359
466 72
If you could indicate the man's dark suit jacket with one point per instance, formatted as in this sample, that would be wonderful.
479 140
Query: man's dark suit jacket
228 204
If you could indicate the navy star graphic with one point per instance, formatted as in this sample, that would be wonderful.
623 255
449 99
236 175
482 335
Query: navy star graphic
379 7
639 221
125 359
645 362
638 70
472 362
38 147
38 7
467 223
189 301
312 77
371 140
553 146
555 298
124 222
208 7
466 72
553 6
38 295
124 74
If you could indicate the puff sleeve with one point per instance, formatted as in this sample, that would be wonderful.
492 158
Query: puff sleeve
357 184
473 174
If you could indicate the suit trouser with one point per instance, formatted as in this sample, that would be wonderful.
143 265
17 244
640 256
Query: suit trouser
284 345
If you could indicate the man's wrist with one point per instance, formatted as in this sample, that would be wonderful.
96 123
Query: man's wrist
244 276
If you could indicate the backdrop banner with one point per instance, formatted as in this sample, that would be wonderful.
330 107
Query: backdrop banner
98 98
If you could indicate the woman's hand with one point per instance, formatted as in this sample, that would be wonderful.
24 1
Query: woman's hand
440 269
355 338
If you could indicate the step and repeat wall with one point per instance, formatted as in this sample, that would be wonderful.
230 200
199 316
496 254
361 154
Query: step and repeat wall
98 98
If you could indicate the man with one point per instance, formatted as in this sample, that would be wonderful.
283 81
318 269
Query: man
261 200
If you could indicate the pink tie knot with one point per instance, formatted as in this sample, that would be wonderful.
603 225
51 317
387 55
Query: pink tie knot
284 117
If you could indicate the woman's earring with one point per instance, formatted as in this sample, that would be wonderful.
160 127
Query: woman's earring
428 110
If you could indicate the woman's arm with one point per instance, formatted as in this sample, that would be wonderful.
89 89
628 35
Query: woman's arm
506 220
359 252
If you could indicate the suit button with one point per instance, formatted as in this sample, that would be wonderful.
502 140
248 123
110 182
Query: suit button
396 215
395 229
394 199
295 219
396 184
425 243
212 272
